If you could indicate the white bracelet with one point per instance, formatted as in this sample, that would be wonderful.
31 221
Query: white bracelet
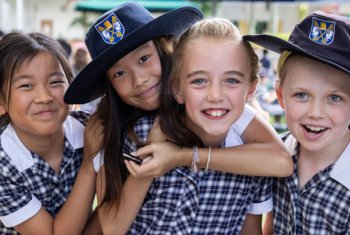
208 160
195 159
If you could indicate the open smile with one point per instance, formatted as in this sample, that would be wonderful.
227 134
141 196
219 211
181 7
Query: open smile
215 113
314 129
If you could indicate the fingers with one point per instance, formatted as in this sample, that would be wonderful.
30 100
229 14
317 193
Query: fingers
144 151
144 170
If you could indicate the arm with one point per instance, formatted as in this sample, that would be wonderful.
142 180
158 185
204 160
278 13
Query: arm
118 220
93 226
268 224
75 211
251 225
263 154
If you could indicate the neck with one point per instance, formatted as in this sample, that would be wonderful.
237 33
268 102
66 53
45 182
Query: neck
47 147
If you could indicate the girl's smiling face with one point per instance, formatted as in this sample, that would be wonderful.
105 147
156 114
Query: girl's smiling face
316 98
214 86
35 103
137 76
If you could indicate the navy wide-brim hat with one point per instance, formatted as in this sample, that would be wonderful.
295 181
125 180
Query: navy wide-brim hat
323 37
118 32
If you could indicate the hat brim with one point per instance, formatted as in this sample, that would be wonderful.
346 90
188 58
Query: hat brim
279 45
87 85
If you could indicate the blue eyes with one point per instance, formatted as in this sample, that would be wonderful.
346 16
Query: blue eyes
232 81
229 81
334 98
303 96
198 81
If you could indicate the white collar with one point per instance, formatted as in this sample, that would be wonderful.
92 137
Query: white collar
22 157
341 168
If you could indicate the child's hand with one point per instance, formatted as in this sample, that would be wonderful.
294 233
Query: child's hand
158 159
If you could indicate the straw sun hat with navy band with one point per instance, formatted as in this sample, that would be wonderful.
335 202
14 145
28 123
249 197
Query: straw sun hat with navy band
323 37
118 32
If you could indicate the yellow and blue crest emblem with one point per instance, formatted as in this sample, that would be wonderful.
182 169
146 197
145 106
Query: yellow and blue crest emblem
111 29
322 31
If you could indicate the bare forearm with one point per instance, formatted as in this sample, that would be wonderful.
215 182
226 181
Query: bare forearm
250 159
73 215
257 159
133 194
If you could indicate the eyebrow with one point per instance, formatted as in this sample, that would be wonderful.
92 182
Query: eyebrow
200 72
28 76
146 45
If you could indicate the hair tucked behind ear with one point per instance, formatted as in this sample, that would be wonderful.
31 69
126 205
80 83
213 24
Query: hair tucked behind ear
172 113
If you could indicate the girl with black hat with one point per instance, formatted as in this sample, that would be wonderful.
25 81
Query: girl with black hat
132 54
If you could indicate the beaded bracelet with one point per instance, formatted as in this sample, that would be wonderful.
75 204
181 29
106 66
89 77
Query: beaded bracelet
195 159
209 158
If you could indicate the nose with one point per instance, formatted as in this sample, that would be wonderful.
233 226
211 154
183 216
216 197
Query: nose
215 93
140 78
43 95
316 110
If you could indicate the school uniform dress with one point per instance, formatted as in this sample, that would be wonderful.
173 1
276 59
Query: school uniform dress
322 206
27 182
206 202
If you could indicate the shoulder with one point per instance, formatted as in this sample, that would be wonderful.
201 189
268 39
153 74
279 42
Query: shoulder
143 126
81 116
245 119
74 126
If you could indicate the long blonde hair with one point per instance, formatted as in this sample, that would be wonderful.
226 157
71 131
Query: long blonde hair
171 112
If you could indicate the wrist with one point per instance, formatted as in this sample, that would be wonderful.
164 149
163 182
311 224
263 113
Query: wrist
185 158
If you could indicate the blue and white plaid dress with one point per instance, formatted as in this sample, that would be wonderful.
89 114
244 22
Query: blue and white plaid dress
207 202
322 206
27 182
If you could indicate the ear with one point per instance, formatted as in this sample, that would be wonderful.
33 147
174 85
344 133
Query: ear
251 91
178 97
279 93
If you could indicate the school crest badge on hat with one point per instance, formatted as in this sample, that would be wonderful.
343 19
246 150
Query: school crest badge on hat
320 36
322 31
111 29
118 32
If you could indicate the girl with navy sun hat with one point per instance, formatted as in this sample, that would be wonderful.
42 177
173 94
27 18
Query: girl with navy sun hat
131 55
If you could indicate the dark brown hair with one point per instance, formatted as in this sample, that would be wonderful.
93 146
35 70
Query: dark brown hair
118 119
19 48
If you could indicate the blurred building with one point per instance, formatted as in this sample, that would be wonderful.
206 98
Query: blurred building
60 19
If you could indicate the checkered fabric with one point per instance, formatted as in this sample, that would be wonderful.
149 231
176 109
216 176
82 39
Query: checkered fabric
141 129
207 202
183 202
38 184
322 206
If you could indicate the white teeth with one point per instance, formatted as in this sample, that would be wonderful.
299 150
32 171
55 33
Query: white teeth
216 113
312 128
